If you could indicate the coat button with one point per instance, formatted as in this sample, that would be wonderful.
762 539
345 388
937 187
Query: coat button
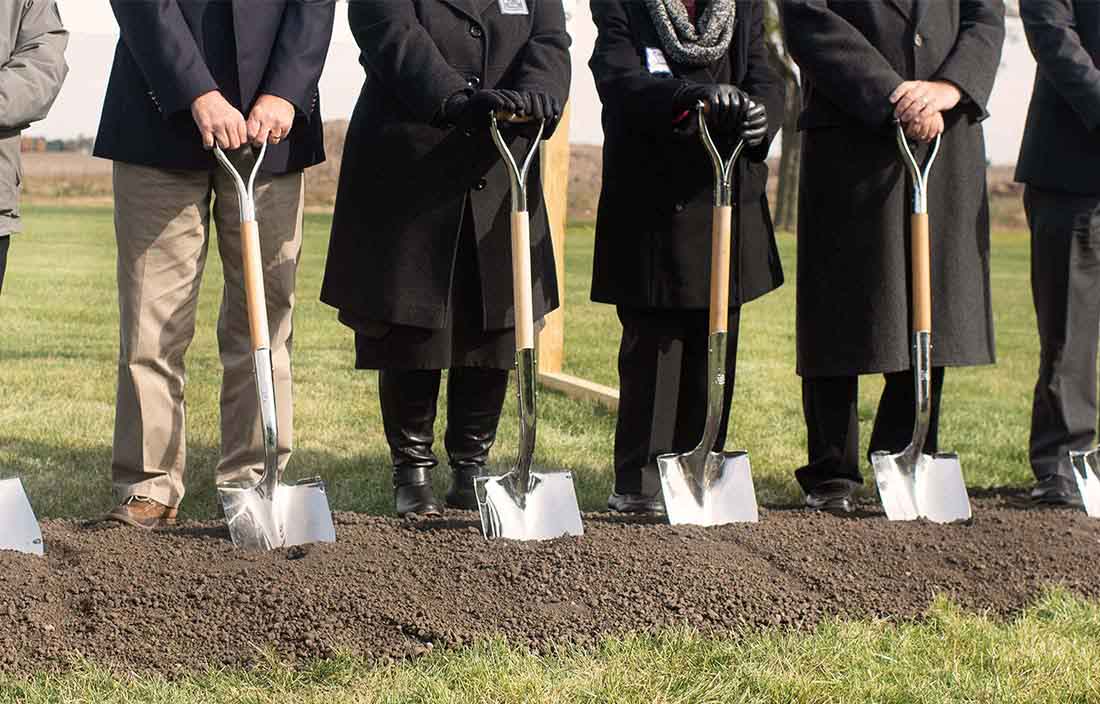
679 207
918 40
476 31
481 185
474 82
469 132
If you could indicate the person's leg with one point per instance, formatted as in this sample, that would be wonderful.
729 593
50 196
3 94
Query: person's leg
649 379
1065 278
830 408
897 407
408 399
5 243
279 207
475 398
161 220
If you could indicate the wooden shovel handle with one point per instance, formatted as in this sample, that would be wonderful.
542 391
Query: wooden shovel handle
254 285
720 269
521 280
922 277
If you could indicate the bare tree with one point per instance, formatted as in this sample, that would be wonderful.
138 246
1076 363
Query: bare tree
786 202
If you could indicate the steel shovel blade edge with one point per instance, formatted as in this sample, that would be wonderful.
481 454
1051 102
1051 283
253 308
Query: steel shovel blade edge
727 495
546 511
932 488
19 528
1086 470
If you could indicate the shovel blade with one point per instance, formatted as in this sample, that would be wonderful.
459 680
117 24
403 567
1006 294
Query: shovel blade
18 527
932 487
1086 470
297 514
725 494
548 509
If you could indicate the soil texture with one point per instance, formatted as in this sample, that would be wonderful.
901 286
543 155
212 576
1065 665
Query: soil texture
184 599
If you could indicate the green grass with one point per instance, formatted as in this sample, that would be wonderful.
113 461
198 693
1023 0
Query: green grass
58 372
1046 655
58 354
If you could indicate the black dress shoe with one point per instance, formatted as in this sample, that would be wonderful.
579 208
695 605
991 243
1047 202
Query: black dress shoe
638 504
412 492
1056 490
834 496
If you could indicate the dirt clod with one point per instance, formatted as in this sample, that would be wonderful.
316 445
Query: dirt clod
185 599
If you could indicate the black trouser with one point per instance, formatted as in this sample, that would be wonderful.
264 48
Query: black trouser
475 397
1065 285
5 242
663 390
830 406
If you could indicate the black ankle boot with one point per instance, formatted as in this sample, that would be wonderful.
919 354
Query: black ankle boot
475 398
408 416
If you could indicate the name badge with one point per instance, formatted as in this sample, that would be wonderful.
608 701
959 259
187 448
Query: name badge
656 62
513 7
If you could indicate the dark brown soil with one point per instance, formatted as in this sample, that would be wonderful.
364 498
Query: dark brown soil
185 599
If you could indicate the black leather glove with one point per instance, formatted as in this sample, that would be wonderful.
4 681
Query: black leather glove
754 125
545 107
725 103
473 109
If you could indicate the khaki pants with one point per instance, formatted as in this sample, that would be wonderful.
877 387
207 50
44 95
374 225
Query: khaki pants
162 225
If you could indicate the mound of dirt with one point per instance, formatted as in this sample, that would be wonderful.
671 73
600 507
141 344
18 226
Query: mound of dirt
185 599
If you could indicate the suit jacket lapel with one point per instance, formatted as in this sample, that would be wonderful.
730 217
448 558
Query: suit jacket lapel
905 7
469 8
919 8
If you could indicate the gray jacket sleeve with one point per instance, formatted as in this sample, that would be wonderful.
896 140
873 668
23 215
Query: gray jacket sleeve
31 77
1051 28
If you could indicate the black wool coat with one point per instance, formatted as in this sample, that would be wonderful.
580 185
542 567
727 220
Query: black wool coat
1061 145
853 232
406 178
172 51
653 227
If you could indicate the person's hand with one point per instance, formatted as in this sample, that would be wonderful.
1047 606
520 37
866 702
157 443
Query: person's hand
219 122
754 126
725 104
467 109
545 108
270 120
917 99
925 128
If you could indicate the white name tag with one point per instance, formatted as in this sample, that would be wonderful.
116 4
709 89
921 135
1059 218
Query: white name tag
513 7
656 62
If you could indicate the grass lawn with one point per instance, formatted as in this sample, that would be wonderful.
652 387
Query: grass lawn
57 378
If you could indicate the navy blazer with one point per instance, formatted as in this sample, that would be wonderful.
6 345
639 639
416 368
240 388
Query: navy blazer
170 52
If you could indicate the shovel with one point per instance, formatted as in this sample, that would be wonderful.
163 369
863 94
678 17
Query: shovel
522 504
18 527
911 483
265 513
1086 470
704 487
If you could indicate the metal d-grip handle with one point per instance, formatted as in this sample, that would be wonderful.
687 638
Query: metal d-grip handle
722 224
521 230
919 242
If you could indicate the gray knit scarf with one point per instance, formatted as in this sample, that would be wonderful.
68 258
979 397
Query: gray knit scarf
693 45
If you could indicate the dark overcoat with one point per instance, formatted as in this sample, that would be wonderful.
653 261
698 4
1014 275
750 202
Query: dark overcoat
1061 144
406 178
172 51
653 227
853 231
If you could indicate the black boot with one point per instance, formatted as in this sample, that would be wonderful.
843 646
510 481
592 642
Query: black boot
475 397
408 416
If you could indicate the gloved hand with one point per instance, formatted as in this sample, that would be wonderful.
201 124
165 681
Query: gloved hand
473 109
754 125
725 103
545 107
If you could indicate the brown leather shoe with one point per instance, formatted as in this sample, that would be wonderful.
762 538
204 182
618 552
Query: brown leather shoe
143 512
